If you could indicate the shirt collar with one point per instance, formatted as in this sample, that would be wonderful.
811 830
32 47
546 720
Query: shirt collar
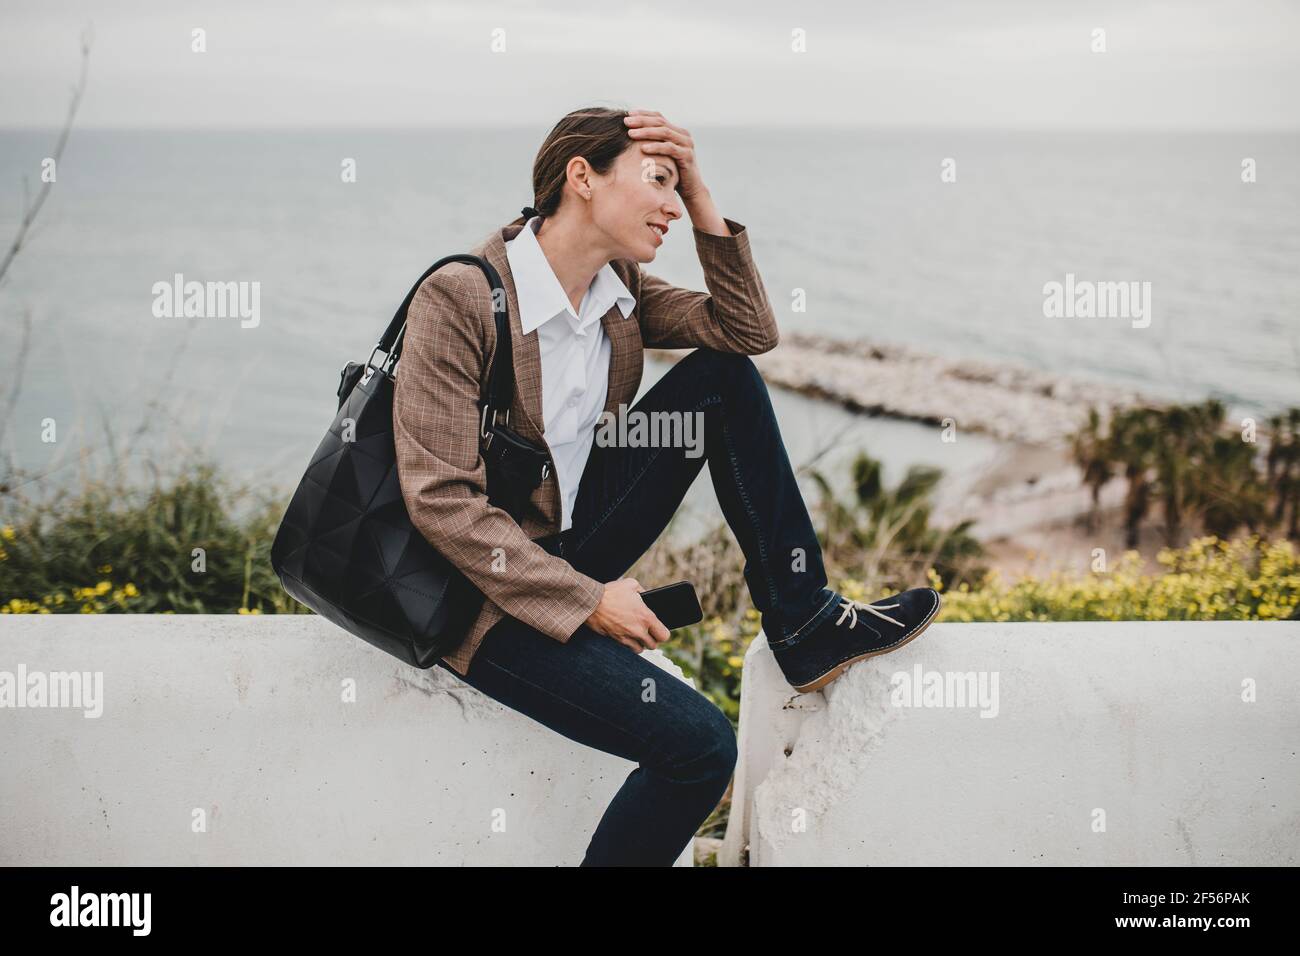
541 297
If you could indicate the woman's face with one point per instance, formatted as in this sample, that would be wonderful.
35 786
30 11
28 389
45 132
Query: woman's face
637 194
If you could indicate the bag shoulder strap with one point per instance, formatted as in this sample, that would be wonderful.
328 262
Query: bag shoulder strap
498 388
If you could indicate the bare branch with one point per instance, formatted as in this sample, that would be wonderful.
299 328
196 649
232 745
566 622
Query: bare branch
16 378
32 209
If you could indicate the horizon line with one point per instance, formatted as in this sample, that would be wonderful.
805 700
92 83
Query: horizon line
839 127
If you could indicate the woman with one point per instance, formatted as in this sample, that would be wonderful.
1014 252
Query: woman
560 632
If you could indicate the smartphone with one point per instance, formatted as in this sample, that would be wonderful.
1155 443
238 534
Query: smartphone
674 604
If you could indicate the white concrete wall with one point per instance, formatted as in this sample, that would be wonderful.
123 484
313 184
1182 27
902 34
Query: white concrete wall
1126 743
241 717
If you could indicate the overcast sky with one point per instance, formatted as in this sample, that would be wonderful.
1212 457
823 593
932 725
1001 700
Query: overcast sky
1001 63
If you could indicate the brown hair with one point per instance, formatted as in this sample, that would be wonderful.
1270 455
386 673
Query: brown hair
596 133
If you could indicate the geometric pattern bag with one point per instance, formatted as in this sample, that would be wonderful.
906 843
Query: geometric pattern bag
346 547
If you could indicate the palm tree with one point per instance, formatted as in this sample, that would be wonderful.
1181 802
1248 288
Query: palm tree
1185 456
1092 452
1227 490
1282 470
1133 440
884 534
1184 444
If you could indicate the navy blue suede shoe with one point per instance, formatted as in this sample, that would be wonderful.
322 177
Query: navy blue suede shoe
860 631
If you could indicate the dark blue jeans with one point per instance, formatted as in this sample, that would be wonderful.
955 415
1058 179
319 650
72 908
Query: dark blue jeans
601 693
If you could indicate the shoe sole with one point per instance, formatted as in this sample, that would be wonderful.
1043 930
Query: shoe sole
840 668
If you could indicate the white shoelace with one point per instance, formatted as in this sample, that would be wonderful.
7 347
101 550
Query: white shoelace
852 608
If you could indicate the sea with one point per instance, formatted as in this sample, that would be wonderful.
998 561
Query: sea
944 241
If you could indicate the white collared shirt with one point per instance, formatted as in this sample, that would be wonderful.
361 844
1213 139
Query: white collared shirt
574 351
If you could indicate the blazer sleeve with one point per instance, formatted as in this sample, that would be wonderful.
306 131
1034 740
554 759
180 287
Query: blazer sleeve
733 316
444 479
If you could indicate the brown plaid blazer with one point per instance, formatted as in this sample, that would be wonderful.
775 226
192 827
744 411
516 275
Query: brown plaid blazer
450 339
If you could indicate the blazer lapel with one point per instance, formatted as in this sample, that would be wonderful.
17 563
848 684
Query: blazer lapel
526 409
626 357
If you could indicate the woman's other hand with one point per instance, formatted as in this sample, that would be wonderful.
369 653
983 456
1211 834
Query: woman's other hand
622 615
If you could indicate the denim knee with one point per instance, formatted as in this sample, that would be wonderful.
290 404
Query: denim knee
726 360
711 751
733 367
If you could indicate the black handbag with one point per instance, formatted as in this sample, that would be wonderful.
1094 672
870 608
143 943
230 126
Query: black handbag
346 547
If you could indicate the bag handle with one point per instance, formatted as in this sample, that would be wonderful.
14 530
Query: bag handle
498 390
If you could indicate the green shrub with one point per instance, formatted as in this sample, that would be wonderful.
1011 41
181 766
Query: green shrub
110 547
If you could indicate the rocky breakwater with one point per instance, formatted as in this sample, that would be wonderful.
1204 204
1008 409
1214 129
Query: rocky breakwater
1014 403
